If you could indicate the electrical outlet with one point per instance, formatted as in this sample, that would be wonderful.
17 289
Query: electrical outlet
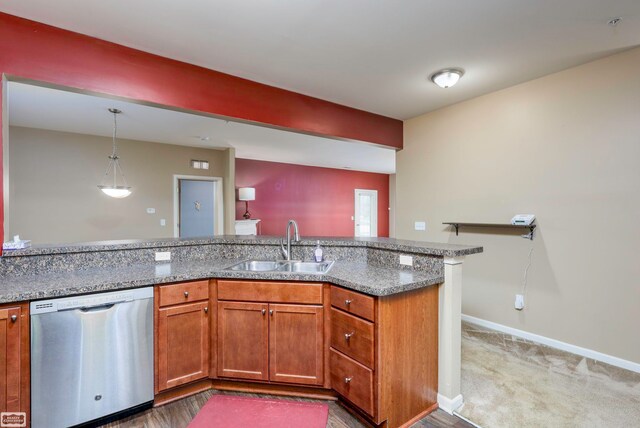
519 302
163 222
151 210
163 256
406 260
420 225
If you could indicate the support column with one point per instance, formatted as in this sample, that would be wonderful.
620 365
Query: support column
450 341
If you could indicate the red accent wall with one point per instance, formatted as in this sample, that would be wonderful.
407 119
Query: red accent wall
321 200
31 50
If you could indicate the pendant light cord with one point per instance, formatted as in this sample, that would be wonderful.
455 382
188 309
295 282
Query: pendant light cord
114 163
115 132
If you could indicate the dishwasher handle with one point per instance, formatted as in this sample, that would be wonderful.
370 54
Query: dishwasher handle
98 307
93 308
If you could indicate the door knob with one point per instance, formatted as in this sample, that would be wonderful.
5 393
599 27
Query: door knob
186 294
14 318
347 336
347 380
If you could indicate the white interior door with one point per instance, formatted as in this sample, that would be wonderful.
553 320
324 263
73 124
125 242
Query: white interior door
366 213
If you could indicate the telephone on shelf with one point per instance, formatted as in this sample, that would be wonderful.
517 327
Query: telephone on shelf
523 219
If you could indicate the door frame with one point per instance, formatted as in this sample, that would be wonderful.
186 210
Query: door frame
374 213
218 226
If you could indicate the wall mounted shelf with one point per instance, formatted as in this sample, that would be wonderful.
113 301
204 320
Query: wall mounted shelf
458 224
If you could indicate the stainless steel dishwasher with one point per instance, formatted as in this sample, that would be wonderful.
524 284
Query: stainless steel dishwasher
91 356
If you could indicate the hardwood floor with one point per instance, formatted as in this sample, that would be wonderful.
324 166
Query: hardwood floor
179 413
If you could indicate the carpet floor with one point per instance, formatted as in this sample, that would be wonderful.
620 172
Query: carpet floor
511 382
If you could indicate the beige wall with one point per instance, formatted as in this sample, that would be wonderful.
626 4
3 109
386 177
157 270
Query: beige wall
53 176
565 147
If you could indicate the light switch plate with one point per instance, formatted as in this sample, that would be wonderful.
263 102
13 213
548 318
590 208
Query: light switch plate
406 260
420 225
163 222
163 256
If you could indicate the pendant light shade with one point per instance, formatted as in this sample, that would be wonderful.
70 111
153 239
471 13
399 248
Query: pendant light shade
110 185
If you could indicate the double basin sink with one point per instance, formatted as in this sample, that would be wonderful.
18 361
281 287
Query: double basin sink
293 266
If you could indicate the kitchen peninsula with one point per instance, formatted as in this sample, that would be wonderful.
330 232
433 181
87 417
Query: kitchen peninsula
363 312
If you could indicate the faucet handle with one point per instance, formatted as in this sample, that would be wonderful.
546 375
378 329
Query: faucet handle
282 248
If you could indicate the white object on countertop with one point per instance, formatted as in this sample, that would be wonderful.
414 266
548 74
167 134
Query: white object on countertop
16 244
318 253
523 219
247 227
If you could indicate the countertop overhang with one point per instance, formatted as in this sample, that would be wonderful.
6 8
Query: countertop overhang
363 277
50 279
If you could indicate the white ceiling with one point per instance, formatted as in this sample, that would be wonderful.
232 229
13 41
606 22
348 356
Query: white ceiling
370 54
45 108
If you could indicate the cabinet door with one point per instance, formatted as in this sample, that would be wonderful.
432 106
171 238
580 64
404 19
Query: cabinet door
183 344
243 335
296 344
10 322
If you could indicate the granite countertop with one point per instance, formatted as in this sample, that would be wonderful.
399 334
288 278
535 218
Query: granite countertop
416 247
359 276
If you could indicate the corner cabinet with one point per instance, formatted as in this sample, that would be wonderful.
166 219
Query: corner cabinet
379 355
14 358
271 331
182 334
384 354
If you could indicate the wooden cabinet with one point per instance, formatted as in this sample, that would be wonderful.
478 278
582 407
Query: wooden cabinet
243 338
14 358
271 332
384 353
182 337
296 344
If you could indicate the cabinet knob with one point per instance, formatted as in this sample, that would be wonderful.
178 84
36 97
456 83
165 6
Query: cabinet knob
186 294
14 318
270 311
206 310
347 336
347 380
264 311
347 302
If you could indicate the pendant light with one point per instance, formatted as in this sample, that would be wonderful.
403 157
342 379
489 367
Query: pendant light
114 189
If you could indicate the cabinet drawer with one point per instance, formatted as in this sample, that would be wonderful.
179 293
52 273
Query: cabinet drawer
352 380
262 291
184 292
353 302
352 336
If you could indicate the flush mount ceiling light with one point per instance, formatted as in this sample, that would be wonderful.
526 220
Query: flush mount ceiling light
447 78
114 189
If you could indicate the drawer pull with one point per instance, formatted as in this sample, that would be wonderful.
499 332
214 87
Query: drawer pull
264 311
186 294
347 379
347 336
347 302
14 318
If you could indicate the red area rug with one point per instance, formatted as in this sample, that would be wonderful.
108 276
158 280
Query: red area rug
230 411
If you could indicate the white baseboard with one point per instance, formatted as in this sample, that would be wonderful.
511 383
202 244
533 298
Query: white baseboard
450 405
553 343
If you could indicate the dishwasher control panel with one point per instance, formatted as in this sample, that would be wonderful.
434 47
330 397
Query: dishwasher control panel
94 300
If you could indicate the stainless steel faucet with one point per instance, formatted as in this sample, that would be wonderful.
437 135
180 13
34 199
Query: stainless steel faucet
286 252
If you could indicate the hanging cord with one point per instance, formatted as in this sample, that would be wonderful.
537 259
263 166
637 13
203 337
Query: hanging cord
526 272
114 160
115 132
